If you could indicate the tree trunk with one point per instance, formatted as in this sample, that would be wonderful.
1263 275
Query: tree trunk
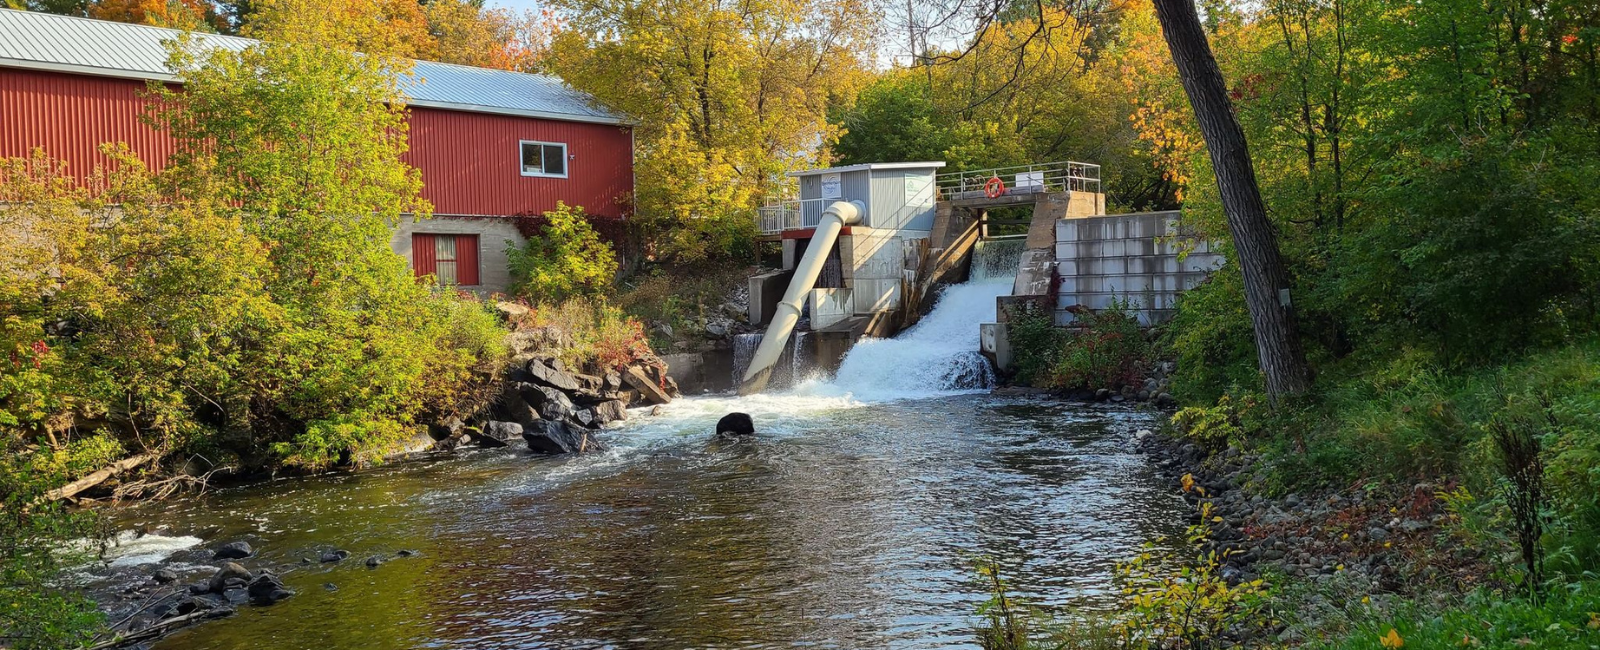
1266 280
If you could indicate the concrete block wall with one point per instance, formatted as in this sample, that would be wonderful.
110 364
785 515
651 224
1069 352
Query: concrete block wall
494 237
1133 259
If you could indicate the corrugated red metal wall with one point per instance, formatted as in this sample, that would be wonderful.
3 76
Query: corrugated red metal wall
70 116
469 161
471 166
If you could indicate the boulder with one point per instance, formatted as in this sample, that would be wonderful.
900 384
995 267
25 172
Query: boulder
164 576
374 561
497 433
736 424
446 429
511 406
549 403
586 418
646 386
557 437
612 382
230 573
267 589
611 411
552 377
232 551
335 555
511 311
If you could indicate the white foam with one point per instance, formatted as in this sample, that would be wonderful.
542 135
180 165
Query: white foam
129 548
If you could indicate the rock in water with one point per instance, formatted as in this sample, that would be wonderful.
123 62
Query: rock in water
229 573
232 551
498 434
335 556
646 386
267 589
586 418
736 424
165 576
556 437
611 411
374 561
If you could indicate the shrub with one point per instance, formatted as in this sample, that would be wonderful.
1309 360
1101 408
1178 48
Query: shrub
36 611
1188 605
1217 427
1036 343
591 333
567 259
1102 350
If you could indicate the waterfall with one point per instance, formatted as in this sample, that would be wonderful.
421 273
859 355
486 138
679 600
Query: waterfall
801 356
939 355
744 348
996 259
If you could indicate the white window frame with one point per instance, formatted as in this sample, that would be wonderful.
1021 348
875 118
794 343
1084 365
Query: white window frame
566 159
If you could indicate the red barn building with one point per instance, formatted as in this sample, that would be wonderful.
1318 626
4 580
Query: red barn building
491 144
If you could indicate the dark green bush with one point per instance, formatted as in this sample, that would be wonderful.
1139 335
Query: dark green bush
1102 349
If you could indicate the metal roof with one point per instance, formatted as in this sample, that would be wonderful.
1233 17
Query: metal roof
929 165
41 41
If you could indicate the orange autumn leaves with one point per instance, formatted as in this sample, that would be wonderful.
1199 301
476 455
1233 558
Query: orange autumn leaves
178 14
449 31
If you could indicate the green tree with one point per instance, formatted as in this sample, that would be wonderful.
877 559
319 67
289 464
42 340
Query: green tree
727 97
893 120
566 259
305 139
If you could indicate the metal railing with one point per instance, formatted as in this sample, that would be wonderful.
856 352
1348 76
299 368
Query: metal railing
1020 179
792 214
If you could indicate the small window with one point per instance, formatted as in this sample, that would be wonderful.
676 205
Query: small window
451 259
544 159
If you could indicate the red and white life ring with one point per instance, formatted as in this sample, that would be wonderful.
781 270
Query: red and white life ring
994 187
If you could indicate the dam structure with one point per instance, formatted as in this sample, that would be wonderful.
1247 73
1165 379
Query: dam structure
869 249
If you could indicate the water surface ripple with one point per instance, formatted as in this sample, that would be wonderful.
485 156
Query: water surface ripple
842 525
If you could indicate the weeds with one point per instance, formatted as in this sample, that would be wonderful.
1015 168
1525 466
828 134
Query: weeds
1189 606
1101 350
590 332
1517 439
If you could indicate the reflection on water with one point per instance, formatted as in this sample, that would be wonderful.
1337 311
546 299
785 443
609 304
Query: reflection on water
841 525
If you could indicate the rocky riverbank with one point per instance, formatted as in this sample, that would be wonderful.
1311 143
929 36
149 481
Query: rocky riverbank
541 405
1324 553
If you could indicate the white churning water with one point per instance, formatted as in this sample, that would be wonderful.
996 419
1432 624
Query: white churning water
938 355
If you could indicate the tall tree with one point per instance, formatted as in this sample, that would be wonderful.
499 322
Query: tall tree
727 97
1266 279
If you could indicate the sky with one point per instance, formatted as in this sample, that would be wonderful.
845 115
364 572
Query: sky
514 5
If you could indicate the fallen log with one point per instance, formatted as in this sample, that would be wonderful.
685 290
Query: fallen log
98 476
162 628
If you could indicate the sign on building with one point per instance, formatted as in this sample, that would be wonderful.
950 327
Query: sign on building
832 186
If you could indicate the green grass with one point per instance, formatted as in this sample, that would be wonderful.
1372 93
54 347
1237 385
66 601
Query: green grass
1409 420
1568 619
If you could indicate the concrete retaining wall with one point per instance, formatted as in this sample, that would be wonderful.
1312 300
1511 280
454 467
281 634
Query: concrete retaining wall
1133 259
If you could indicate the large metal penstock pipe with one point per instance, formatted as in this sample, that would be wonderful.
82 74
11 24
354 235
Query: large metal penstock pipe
838 215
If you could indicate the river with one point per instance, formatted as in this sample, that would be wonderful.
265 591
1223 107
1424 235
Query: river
852 520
